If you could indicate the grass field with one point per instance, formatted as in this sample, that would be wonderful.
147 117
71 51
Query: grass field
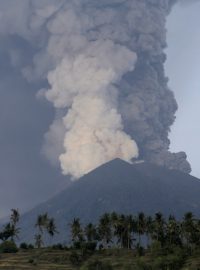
44 259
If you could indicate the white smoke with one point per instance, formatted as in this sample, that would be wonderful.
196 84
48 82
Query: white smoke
85 82
83 71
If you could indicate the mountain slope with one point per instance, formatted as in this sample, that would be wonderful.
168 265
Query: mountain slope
119 186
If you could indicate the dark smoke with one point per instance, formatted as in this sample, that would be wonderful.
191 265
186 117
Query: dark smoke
149 106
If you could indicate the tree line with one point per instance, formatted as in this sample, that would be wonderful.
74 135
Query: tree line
129 232
116 230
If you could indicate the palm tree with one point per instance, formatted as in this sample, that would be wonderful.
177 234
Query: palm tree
188 228
104 229
76 230
129 230
51 227
14 218
173 231
39 223
141 225
149 228
10 228
9 231
123 230
119 230
196 233
38 240
42 224
91 232
114 220
159 228
42 221
114 217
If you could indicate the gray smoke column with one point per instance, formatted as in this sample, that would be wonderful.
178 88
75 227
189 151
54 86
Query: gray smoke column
104 64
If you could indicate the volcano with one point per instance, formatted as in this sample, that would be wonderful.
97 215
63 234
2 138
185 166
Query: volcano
121 187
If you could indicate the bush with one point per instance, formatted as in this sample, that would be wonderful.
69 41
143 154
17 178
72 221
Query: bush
93 265
160 263
156 249
91 246
141 264
77 245
23 246
30 246
26 246
75 258
140 251
8 247
58 247
175 261
32 261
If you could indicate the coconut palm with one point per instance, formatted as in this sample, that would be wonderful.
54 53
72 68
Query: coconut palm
159 228
90 232
188 228
104 229
119 230
129 230
76 230
173 231
38 241
149 229
9 231
51 227
42 224
14 218
141 225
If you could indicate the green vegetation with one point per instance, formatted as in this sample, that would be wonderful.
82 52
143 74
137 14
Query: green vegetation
116 242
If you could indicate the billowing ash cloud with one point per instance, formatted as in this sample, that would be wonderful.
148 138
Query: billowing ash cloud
84 83
104 64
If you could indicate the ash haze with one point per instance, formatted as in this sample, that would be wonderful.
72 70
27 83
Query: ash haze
101 91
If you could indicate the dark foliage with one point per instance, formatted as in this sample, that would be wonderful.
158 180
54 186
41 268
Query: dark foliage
8 247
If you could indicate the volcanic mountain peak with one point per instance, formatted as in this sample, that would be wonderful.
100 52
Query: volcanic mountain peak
124 188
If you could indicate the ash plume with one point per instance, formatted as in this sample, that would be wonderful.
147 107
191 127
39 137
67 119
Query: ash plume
103 62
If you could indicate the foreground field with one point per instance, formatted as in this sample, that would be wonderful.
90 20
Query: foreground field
45 259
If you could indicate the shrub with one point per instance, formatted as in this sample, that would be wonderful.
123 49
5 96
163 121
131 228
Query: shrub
30 246
160 263
23 245
77 245
75 258
32 261
93 265
58 247
141 264
90 246
8 247
26 246
140 251
156 249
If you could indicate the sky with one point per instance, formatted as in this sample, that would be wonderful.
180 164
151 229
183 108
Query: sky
183 69
26 177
